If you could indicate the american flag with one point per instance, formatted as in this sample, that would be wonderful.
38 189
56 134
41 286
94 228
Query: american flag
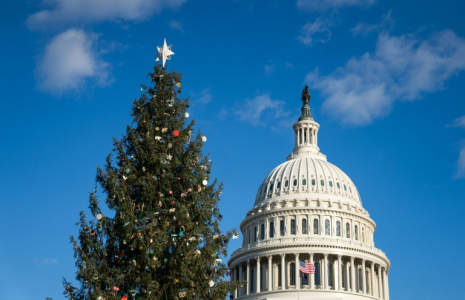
307 268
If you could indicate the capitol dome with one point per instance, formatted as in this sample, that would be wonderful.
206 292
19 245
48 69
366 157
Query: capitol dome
307 235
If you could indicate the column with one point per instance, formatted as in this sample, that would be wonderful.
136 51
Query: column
258 275
240 279
247 289
347 276
364 277
380 287
324 274
372 281
233 278
297 271
386 286
270 272
339 272
283 271
352 268
311 280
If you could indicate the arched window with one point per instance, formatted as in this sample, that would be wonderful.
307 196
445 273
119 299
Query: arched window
286 183
271 229
249 236
281 228
304 181
315 226
292 277
356 232
262 232
313 182
338 185
271 188
293 229
295 182
317 274
278 185
338 228
327 228
304 226
347 230
345 189
363 235
330 183
255 235
322 182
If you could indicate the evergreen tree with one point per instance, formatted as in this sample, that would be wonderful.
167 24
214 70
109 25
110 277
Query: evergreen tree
162 239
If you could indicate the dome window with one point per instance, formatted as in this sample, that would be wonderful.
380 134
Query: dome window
304 181
281 228
279 185
356 232
304 226
347 230
255 235
322 182
272 229
315 226
313 182
286 183
330 183
345 189
327 228
271 187
262 232
295 182
338 185
338 228
293 227
350 190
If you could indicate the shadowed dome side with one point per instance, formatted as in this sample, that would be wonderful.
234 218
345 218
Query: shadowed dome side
307 177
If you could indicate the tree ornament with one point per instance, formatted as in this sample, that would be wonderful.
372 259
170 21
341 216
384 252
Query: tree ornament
99 216
204 138
186 115
211 283
176 132
164 53
205 182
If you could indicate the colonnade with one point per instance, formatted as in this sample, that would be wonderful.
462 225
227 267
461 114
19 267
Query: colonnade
306 135
281 272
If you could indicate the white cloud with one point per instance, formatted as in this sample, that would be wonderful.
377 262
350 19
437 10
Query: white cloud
459 122
90 11
288 64
401 68
69 60
205 97
176 25
317 31
461 164
261 107
322 5
363 28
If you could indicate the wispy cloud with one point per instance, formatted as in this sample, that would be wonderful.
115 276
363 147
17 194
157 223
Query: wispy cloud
269 68
459 122
70 60
460 173
317 31
401 68
288 65
44 262
322 5
204 97
176 25
260 110
363 28
72 12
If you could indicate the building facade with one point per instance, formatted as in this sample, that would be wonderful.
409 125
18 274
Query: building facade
308 210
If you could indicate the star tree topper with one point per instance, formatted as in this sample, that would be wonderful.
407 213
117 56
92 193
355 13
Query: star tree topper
164 53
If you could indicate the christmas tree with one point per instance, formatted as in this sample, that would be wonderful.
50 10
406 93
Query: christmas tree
162 239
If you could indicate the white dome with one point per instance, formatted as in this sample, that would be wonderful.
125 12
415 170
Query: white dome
307 177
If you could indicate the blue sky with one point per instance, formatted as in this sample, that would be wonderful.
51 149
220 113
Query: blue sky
387 84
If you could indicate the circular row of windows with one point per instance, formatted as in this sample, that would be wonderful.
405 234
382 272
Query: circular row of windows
304 183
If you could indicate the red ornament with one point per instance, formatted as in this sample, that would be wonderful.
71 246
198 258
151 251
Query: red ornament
179 91
124 298
179 179
176 132
171 192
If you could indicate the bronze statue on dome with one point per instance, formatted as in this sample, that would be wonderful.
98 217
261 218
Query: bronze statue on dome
306 95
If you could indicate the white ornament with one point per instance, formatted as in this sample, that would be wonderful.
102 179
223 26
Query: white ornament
211 283
204 138
205 182
186 115
164 53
